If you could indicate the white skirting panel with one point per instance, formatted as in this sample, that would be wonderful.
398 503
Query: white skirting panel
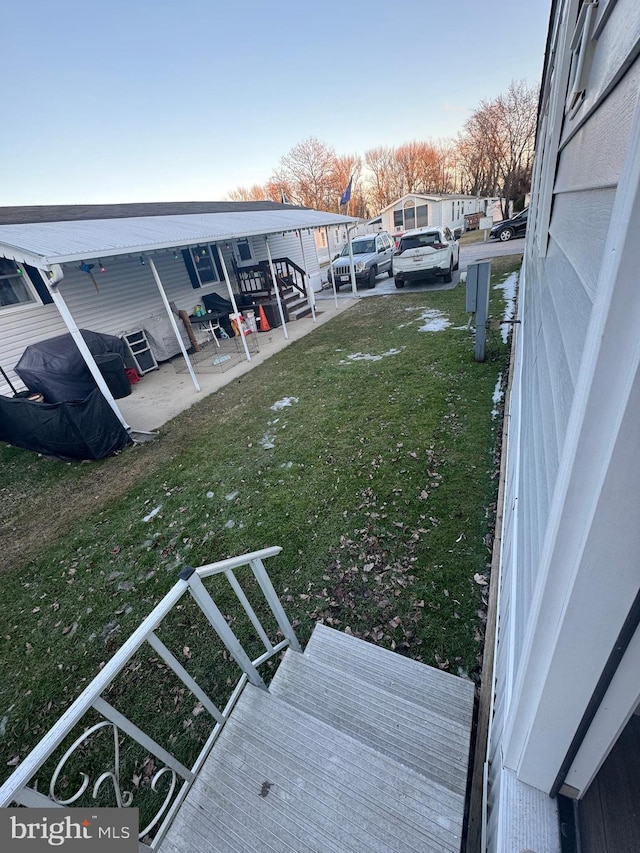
526 819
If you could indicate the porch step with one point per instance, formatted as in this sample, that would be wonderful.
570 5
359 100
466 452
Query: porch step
403 677
279 779
416 735
354 748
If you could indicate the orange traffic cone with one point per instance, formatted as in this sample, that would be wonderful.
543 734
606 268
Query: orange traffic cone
262 317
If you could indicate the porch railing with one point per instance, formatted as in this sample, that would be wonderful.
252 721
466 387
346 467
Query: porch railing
20 789
256 279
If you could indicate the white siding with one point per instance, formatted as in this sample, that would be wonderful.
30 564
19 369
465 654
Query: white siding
561 275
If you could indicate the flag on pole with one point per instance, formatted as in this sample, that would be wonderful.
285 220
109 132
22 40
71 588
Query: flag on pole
346 195
284 198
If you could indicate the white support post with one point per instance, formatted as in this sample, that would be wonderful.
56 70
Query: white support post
310 295
277 289
70 323
331 275
354 288
174 325
232 299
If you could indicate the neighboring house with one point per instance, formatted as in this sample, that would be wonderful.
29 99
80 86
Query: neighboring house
417 210
564 731
195 248
329 241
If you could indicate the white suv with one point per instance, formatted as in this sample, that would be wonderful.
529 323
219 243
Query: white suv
426 253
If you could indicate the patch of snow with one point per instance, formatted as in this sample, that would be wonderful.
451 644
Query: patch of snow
287 465
209 495
153 513
231 523
435 321
231 496
363 356
267 441
509 287
281 404
496 397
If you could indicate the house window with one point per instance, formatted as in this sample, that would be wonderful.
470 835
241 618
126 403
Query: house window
409 215
582 47
398 221
14 285
422 215
453 210
243 247
205 264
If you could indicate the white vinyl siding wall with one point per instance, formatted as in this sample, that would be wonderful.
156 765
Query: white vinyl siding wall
562 267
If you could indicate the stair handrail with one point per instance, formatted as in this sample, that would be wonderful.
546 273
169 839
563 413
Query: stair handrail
16 788
262 268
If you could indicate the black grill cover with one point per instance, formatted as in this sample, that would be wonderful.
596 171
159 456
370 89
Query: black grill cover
55 368
86 429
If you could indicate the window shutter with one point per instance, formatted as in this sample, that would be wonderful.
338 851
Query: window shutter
193 275
42 290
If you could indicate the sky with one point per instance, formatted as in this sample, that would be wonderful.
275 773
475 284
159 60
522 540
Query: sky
186 100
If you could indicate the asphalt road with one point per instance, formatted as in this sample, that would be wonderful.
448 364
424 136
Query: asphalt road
469 254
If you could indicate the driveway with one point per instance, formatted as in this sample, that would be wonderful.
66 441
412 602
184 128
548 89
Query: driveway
469 254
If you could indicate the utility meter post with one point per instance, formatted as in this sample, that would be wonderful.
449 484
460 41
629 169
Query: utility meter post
477 302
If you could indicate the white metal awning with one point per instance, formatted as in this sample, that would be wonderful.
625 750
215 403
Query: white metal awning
43 244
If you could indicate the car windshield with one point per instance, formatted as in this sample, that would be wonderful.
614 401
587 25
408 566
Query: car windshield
360 247
418 241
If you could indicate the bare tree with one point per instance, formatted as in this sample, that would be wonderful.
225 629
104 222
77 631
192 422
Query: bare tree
497 145
385 182
255 193
308 170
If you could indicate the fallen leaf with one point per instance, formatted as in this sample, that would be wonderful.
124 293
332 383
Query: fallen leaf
480 579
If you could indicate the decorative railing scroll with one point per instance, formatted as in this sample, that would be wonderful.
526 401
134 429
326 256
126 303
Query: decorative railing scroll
20 789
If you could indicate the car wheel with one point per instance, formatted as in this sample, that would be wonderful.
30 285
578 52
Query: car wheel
390 270
448 276
399 283
373 272
506 234
457 263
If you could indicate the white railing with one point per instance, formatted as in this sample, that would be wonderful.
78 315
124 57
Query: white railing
178 777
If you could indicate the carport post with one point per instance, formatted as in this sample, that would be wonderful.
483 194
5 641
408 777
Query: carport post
276 288
70 323
331 276
233 302
174 325
310 295
351 264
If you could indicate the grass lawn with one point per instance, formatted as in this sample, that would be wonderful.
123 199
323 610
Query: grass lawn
367 450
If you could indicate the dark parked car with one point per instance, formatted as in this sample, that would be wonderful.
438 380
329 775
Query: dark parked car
508 228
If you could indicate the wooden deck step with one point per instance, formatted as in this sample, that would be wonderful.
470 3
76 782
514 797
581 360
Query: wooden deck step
280 779
426 739
403 677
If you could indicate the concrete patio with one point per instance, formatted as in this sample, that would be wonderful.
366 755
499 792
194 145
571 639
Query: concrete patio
164 393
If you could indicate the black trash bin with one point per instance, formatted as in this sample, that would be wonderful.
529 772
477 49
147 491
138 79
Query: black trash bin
111 367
